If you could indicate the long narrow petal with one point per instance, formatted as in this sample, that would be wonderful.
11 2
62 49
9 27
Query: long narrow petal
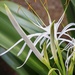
11 47
21 50
65 28
61 18
70 29
66 40
22 34
29 53
69 25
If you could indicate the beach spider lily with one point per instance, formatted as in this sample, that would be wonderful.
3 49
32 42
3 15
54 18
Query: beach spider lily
50 34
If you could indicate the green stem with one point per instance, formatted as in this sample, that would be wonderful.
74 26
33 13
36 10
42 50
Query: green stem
61 60
48 66
53 46
71 67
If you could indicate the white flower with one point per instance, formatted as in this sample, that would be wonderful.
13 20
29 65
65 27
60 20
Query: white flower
40 37
55 36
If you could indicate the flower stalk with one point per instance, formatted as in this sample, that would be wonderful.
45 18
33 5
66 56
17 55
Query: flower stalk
53 46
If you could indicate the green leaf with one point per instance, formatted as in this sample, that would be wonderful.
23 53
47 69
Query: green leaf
73 2
70 11
11 61
23 16
7 41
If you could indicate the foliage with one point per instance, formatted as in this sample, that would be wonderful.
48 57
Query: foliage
44 48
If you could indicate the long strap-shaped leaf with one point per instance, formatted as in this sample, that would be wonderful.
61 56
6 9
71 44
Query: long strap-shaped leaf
22 34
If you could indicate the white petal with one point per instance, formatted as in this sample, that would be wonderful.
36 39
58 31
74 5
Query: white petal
59 21
42 41
48 44
69 25
11 47
70 29
65 28
66 40
29 53
33 35
21 50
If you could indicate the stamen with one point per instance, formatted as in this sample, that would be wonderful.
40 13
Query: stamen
49 18
32 21
35 12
